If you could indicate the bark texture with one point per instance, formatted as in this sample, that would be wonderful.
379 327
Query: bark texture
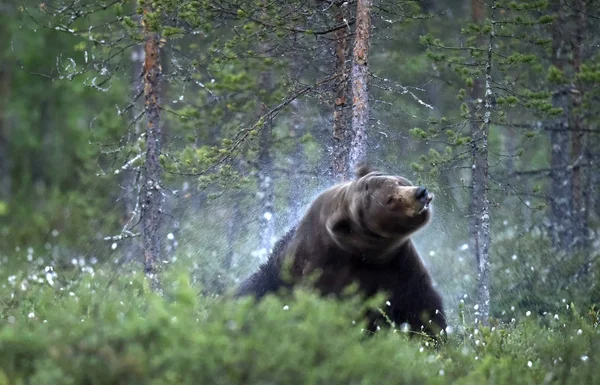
130 175
297 162
360 75
579 143
480 206
561 197
266 189
561 178
236 224
341 120
232 232
151 194
5 179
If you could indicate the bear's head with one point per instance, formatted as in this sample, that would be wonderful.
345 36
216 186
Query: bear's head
379 210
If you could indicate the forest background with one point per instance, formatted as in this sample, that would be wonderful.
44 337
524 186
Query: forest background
140 136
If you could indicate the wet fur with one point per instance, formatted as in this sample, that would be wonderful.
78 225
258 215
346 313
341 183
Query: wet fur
338 239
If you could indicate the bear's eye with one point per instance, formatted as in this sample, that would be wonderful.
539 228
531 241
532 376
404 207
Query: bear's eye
390 200
367 187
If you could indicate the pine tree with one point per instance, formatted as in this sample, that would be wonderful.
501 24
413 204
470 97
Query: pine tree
360 75
497 48
341 120
151 191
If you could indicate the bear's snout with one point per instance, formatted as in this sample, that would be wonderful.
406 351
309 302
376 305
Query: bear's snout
423 195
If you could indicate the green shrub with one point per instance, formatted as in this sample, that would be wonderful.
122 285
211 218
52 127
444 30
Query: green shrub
529 275
97 328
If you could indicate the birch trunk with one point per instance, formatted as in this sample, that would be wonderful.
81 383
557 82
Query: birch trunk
480 203
232 232
266 190
297 163
236 224
151 194
360 74
478 18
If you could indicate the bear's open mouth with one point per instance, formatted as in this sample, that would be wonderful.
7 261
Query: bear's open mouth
427 202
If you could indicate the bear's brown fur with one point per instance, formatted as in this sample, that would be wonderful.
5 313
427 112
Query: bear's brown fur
359 232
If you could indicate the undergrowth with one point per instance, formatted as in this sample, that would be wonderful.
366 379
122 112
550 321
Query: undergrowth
95 327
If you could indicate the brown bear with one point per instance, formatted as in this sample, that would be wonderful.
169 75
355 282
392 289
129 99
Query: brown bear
359 232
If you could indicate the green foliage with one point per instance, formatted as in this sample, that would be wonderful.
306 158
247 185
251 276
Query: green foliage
556 76
87 330
225 67
50 144
419 133
531 276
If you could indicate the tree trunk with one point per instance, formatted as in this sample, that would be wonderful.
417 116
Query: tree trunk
129 176
151 194
297 162
236 225
560 191
360 74
479 177
580 179
478 17
266 187
266 190
232 232
5 177
341 120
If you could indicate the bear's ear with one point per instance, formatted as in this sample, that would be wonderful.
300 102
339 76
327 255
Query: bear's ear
363 169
